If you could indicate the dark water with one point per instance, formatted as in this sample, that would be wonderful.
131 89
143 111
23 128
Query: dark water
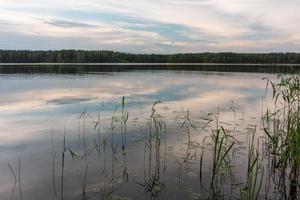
66 68
37 108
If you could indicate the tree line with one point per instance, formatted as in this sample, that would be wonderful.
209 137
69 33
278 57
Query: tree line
82 56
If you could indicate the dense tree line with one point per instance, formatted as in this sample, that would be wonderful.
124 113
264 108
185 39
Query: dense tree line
81 56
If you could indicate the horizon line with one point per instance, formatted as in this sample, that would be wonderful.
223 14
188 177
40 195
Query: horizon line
149 64
136 53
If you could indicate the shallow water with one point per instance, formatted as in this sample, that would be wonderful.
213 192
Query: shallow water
38 108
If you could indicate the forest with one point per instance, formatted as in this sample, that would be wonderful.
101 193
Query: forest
101 56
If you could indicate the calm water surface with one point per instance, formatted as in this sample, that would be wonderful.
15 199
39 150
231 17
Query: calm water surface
36 109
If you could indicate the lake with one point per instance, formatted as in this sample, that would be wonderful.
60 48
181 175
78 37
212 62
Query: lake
132 133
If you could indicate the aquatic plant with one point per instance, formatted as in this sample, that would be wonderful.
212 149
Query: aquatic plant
15 181
282 128
153 184
222 146
255 171
276 151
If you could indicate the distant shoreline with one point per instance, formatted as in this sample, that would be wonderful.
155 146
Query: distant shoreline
108 58
147 64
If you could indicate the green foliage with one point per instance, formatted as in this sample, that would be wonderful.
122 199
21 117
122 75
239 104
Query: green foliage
283 134
81 56
254 171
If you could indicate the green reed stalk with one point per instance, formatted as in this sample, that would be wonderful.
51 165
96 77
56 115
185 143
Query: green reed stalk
283 133
254 171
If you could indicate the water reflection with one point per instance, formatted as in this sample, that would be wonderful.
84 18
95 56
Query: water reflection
149 155
104 69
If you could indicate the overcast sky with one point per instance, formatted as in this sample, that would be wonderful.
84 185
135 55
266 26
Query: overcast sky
151 26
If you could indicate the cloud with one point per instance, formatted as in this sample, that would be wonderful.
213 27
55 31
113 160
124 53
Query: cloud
156 26
68 24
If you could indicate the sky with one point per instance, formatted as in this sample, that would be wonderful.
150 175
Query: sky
151 26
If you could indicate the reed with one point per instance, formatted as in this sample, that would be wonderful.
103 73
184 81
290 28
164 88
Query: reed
53 153
84 115
83 184
123 126
19 179
222 146
63 166
15 181
155 185
255 172
282 128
